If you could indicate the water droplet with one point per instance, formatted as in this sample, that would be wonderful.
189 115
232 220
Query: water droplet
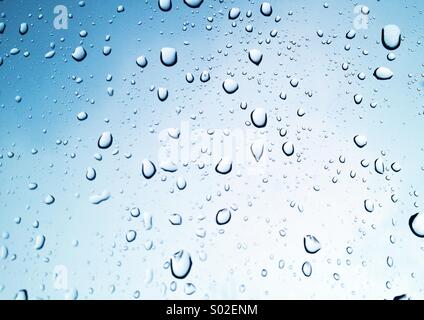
369 205
181 183
175 219
234 13
50 54
193 3
120 8
79 54
99 198
230 86
49 199
255 56
168 56
23 28
189 289
4 252
266 9
189 77
360 140
21 295
416 223
391 37
288 148
351 34
181 264
141 61
82 116
162 94
259 117
135 212
105 140
148 169
39 242
357 98
165 5
396 167
383 73
223 216
90 174
131 235
311 244
224 165
307 269
107 50
379 166
32 186
257 149
205 76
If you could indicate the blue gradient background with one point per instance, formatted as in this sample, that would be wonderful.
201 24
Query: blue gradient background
104 265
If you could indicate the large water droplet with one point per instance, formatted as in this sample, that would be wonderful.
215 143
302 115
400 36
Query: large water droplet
360 140
21 295
259 117
311 244
416 223
288 148
266 9
99 198
383 73
224 165
49 199
205 76
165 5
131 235
23 28
79 54
181 183
379 166
90 174
168 56
230 86
82 116
369 205
223 216
105 140
141 61
175 219
181 264
162 94
234 13
193 3
255 56
391 37
148 169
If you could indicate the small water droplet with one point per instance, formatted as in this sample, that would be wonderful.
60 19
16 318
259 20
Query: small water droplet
193 3
141 61
233 13
257 149
49 199
307 269
360 140
369 205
